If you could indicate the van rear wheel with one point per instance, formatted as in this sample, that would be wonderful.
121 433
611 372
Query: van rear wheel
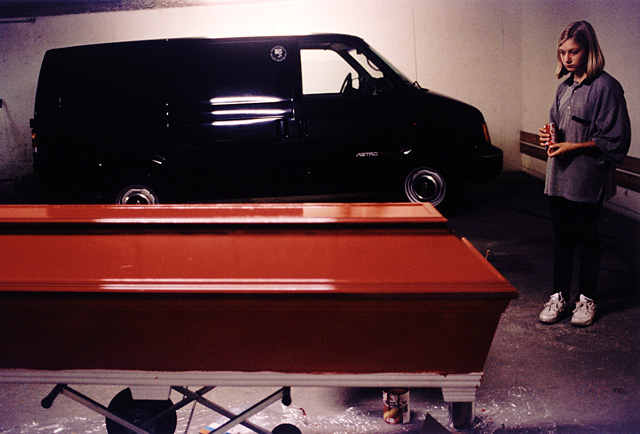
137 194
139 188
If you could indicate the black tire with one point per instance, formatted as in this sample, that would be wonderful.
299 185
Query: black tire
138 412
435 184
286 428
137 194
143 189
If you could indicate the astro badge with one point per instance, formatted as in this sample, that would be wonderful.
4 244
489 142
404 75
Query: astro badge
278 53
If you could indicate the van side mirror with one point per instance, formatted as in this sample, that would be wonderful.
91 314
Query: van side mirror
383 85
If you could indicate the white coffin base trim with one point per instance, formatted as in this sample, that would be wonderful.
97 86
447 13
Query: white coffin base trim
455 387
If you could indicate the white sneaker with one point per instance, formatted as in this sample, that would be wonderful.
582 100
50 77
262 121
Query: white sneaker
553 309
584 312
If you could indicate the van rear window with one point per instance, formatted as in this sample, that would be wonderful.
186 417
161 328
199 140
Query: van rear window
230 69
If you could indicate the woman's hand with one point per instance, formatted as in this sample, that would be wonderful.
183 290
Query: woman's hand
544 137
561 148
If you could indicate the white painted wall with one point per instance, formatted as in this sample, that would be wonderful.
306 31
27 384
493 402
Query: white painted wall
498 55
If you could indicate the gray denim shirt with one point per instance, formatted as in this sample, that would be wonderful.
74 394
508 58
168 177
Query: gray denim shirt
591 110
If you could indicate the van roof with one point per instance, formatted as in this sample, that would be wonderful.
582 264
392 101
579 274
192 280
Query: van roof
309 38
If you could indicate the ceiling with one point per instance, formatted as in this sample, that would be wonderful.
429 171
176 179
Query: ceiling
14 9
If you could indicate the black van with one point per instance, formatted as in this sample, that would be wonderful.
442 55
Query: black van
181 120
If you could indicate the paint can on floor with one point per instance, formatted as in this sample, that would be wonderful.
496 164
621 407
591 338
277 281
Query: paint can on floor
395 405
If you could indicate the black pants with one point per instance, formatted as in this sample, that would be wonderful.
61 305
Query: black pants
575 225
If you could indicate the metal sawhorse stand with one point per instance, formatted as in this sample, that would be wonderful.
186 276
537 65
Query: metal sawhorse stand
126 415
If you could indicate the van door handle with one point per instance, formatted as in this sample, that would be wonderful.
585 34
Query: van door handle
302 127
282 128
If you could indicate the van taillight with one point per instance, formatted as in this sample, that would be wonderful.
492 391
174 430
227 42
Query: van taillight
485 131
34 143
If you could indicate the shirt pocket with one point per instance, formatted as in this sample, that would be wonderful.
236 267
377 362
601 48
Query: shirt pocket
581 121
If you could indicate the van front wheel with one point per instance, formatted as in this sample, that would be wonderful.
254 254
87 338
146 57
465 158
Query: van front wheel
425 184
441 188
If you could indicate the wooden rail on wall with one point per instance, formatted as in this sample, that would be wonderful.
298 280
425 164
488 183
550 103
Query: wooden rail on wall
627 174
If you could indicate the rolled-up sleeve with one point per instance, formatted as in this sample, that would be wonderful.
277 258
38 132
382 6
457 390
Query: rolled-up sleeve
611 127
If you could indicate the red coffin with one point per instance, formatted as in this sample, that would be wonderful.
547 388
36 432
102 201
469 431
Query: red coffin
289 288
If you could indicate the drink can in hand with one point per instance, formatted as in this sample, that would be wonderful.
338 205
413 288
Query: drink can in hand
552 130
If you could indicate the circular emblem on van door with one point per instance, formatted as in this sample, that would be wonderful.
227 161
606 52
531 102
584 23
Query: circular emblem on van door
278 53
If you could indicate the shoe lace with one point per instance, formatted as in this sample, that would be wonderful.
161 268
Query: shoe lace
554 305
585 307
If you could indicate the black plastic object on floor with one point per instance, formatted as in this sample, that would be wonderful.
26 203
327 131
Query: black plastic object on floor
432 426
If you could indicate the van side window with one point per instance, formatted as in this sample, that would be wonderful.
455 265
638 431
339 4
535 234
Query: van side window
323 71
220 70
340 71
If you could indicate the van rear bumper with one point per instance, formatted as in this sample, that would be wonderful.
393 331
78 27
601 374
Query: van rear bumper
64 186
487 166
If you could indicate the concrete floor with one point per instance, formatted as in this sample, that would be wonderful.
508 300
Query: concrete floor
538 379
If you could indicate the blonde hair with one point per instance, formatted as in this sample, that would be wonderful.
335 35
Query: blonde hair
583 34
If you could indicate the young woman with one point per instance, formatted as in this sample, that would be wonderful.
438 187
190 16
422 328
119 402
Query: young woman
593 134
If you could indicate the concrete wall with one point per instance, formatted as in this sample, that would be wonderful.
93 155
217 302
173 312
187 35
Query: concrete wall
498 55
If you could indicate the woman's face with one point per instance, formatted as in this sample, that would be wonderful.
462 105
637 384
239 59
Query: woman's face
574 57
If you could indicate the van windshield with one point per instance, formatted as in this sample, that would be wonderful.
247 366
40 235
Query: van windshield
392 67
